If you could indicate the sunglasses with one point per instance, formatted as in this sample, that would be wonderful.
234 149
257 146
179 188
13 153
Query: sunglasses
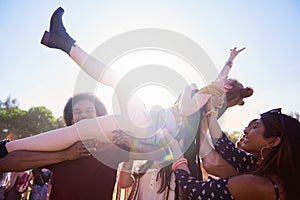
278 112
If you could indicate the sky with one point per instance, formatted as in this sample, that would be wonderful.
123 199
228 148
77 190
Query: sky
39 76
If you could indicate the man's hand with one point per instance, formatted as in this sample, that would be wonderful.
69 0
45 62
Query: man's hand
120 137
80 149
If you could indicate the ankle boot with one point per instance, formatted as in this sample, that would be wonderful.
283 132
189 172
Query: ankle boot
57 37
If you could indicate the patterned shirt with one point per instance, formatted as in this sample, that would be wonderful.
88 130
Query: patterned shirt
238 158
212 189
216 188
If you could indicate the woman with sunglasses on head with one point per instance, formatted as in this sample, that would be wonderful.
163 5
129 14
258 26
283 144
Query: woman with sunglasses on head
273 166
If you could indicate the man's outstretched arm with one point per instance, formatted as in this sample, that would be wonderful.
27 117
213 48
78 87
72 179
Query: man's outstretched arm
22 160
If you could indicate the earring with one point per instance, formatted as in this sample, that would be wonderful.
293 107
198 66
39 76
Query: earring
261 153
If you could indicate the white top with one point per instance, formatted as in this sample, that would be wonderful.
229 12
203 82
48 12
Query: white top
148 186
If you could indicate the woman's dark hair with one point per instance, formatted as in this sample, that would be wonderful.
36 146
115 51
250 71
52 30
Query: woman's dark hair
68 110
164 175
237 93
283 159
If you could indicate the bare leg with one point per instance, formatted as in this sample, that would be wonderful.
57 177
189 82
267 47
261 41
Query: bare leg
94 68
58 38
48 141
99 128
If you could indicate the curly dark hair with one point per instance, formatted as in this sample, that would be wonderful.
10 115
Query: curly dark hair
68 111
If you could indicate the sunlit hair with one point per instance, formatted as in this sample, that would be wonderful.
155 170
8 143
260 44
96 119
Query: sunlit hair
283 159
237 93
68 110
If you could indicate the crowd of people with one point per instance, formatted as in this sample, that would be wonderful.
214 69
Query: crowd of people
263 164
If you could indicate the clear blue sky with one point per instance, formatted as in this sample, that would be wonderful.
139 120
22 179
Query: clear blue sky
269 30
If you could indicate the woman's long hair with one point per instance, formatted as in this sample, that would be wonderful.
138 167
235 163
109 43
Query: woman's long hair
283 159
164 175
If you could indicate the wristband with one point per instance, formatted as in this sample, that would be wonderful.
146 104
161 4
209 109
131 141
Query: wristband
212 112
179 162
229 63
3 150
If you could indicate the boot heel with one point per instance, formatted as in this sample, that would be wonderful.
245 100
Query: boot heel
45 38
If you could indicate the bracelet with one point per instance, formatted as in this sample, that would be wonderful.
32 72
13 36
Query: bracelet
133 177
229 63
179 162
212 112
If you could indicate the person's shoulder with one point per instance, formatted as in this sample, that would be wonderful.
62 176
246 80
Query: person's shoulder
3 142
3 150
249 186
